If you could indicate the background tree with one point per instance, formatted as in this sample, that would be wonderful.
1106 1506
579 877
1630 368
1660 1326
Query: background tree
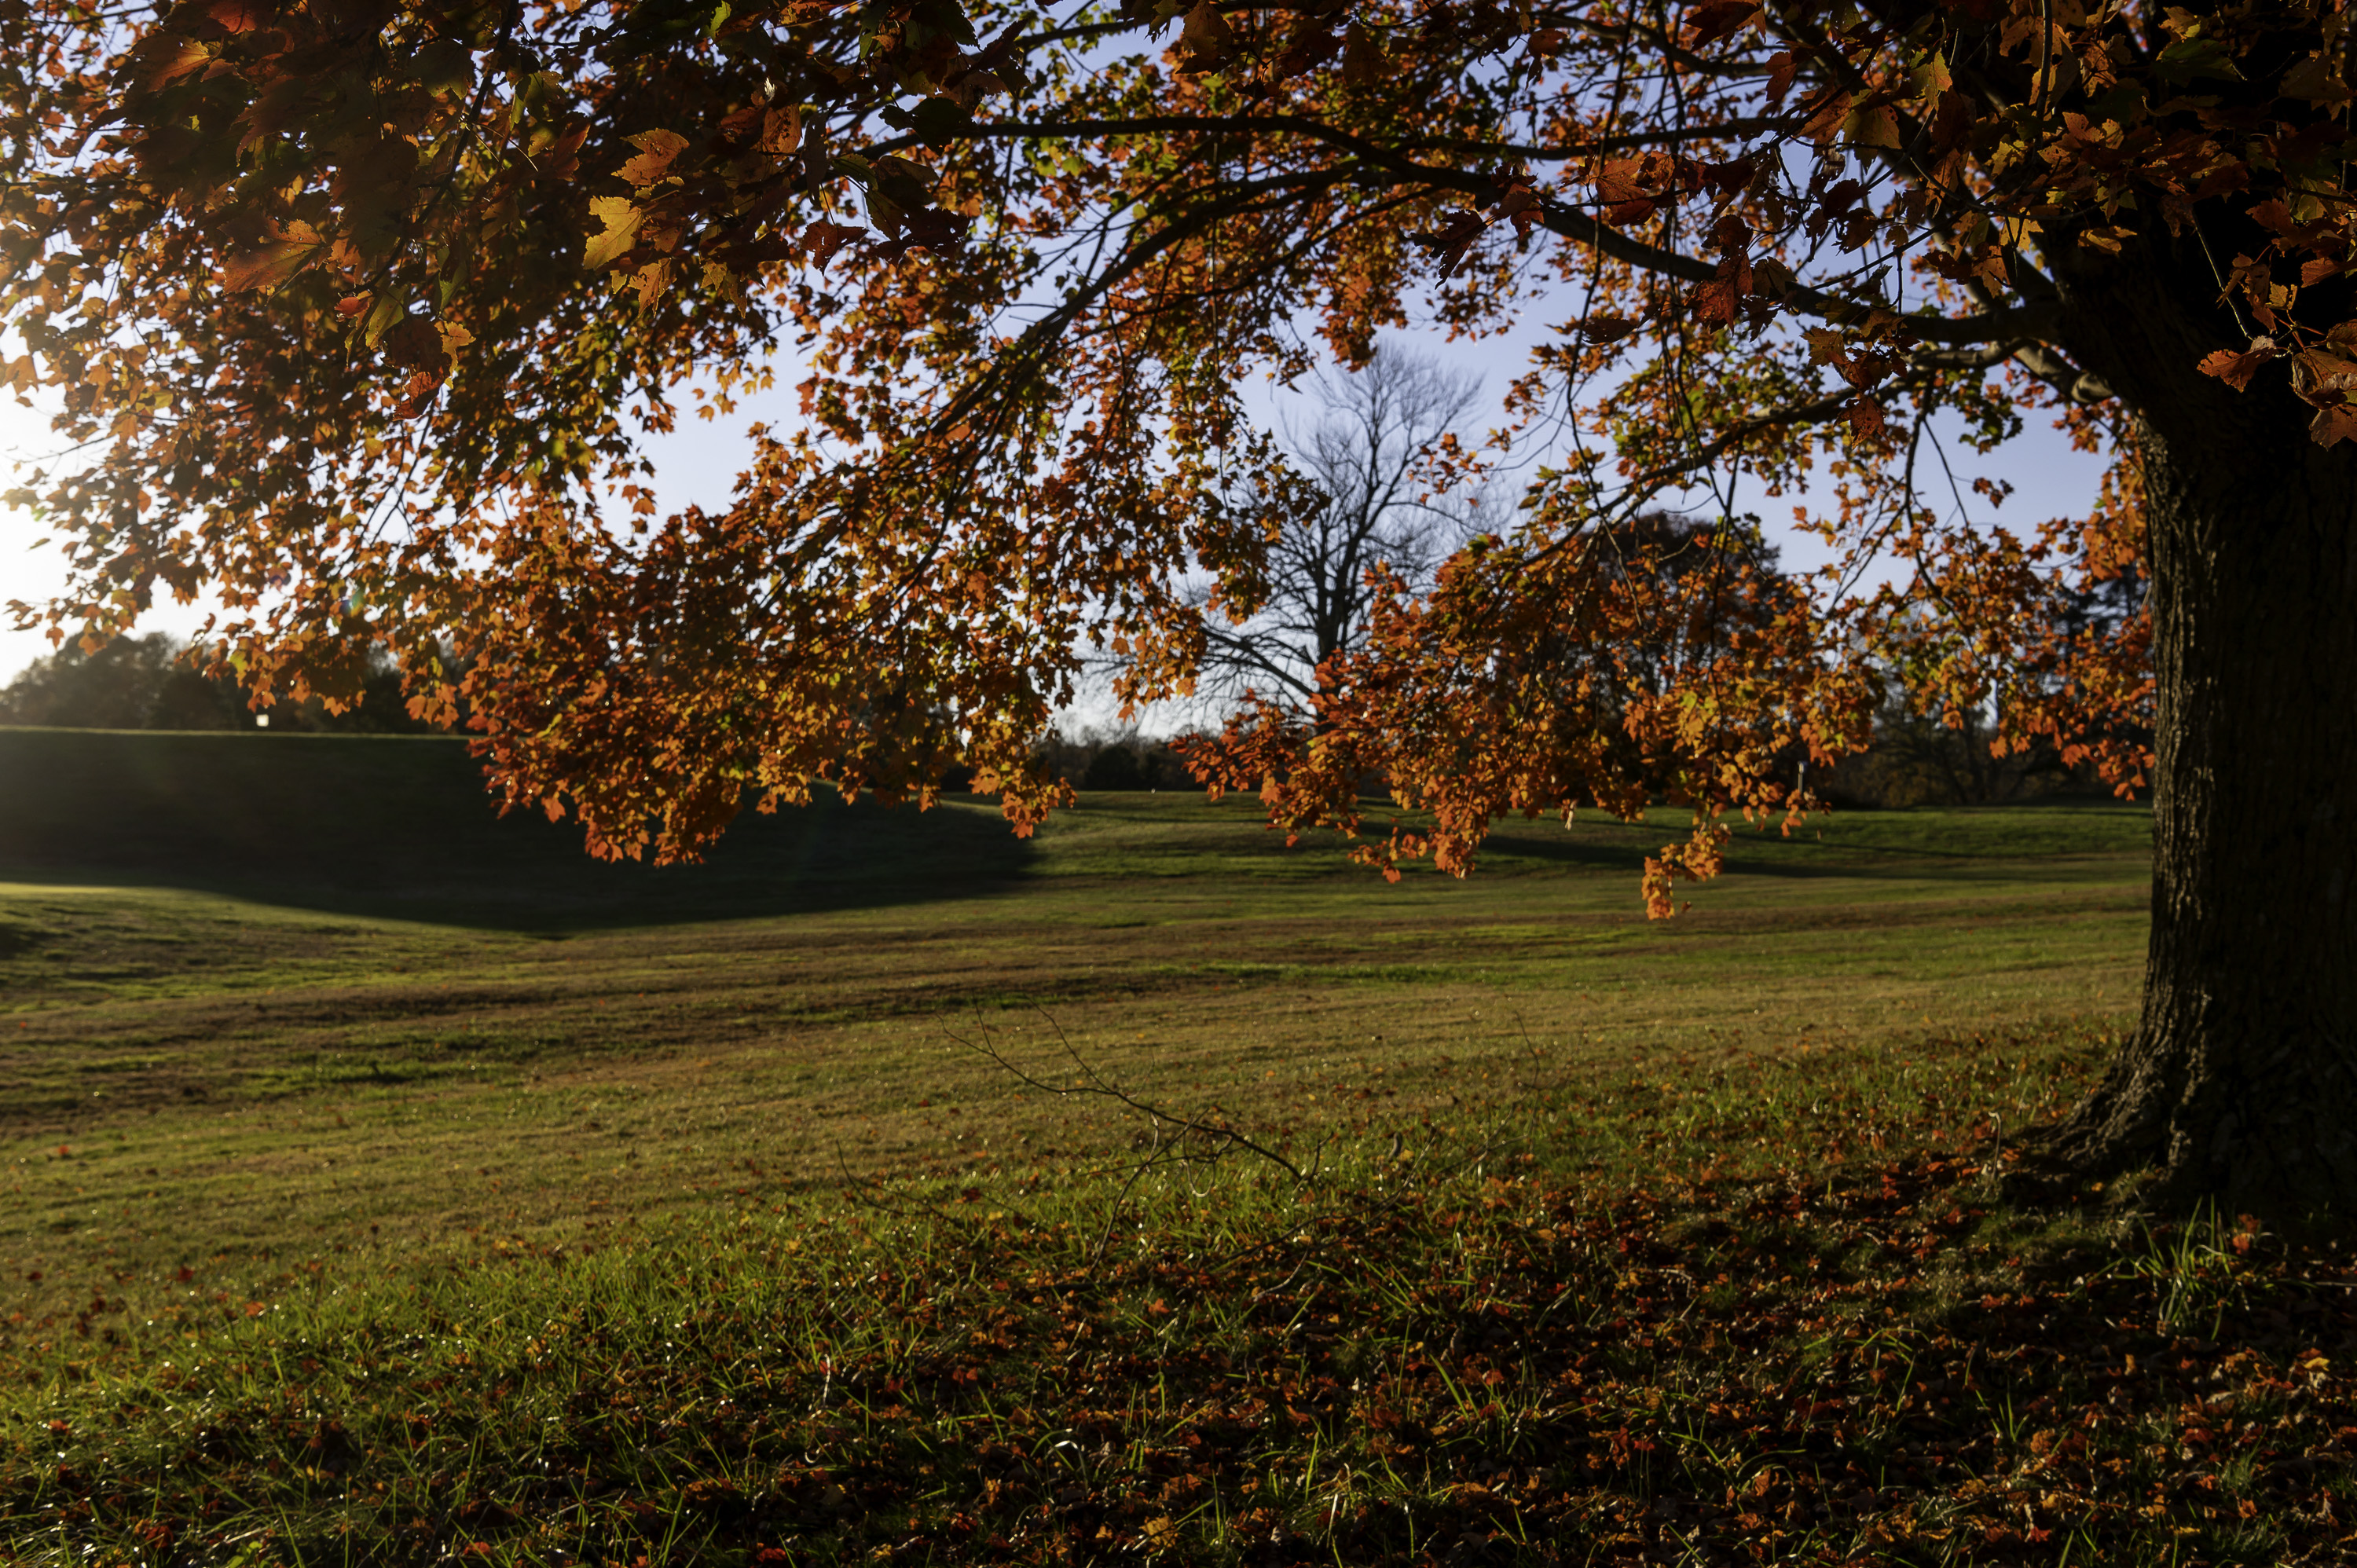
1705 582
122 686
1124 760
151 683
429 271
1934 742
1923 756
1380 495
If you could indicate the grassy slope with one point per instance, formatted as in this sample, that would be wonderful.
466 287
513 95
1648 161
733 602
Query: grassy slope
419 1184
294 1074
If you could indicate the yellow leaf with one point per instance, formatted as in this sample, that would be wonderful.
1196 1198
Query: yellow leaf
1931 78
1871 128
621 223
652 280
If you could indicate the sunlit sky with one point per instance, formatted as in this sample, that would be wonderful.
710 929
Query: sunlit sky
698 464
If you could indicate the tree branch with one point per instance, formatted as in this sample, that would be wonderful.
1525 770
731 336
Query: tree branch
2015 325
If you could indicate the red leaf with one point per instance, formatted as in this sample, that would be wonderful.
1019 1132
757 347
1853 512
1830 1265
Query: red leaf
824 239
417 394
1314 45
1452 240
1206 42
1714 19
782 130
2338 422
2273 215
272 262
2236 369
243 16
656 151
1714 302
1522 205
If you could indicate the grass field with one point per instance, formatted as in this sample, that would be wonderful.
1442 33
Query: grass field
345 1122
278 1038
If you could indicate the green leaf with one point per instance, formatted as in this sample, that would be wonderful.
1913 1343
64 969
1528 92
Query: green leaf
938 119
446 66
387 311
2193 58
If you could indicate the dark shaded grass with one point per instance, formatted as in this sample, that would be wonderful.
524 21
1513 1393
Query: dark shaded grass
401 827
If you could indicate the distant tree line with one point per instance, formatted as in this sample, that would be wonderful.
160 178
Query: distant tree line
1095 759
1922 759
148 682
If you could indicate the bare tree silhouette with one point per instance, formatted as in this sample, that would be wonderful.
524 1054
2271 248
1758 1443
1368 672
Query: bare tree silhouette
1367 457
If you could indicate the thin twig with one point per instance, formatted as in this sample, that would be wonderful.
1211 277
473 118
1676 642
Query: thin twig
1095 1085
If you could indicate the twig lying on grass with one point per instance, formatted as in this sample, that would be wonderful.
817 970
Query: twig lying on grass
865 1196
1167 1132
1160 1122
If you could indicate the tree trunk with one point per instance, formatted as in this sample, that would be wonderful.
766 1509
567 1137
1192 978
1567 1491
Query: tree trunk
2241 1080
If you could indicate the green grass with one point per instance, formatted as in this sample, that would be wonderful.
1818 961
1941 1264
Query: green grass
379 1179
295 1062
1429 1355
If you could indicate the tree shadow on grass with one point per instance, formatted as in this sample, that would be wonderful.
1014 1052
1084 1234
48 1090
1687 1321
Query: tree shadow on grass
401 827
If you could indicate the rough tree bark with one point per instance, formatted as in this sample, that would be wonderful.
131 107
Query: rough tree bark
2241 1080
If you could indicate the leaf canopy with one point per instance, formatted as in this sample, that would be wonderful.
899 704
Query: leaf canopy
365 309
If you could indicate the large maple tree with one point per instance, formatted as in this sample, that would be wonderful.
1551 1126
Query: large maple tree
358 313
